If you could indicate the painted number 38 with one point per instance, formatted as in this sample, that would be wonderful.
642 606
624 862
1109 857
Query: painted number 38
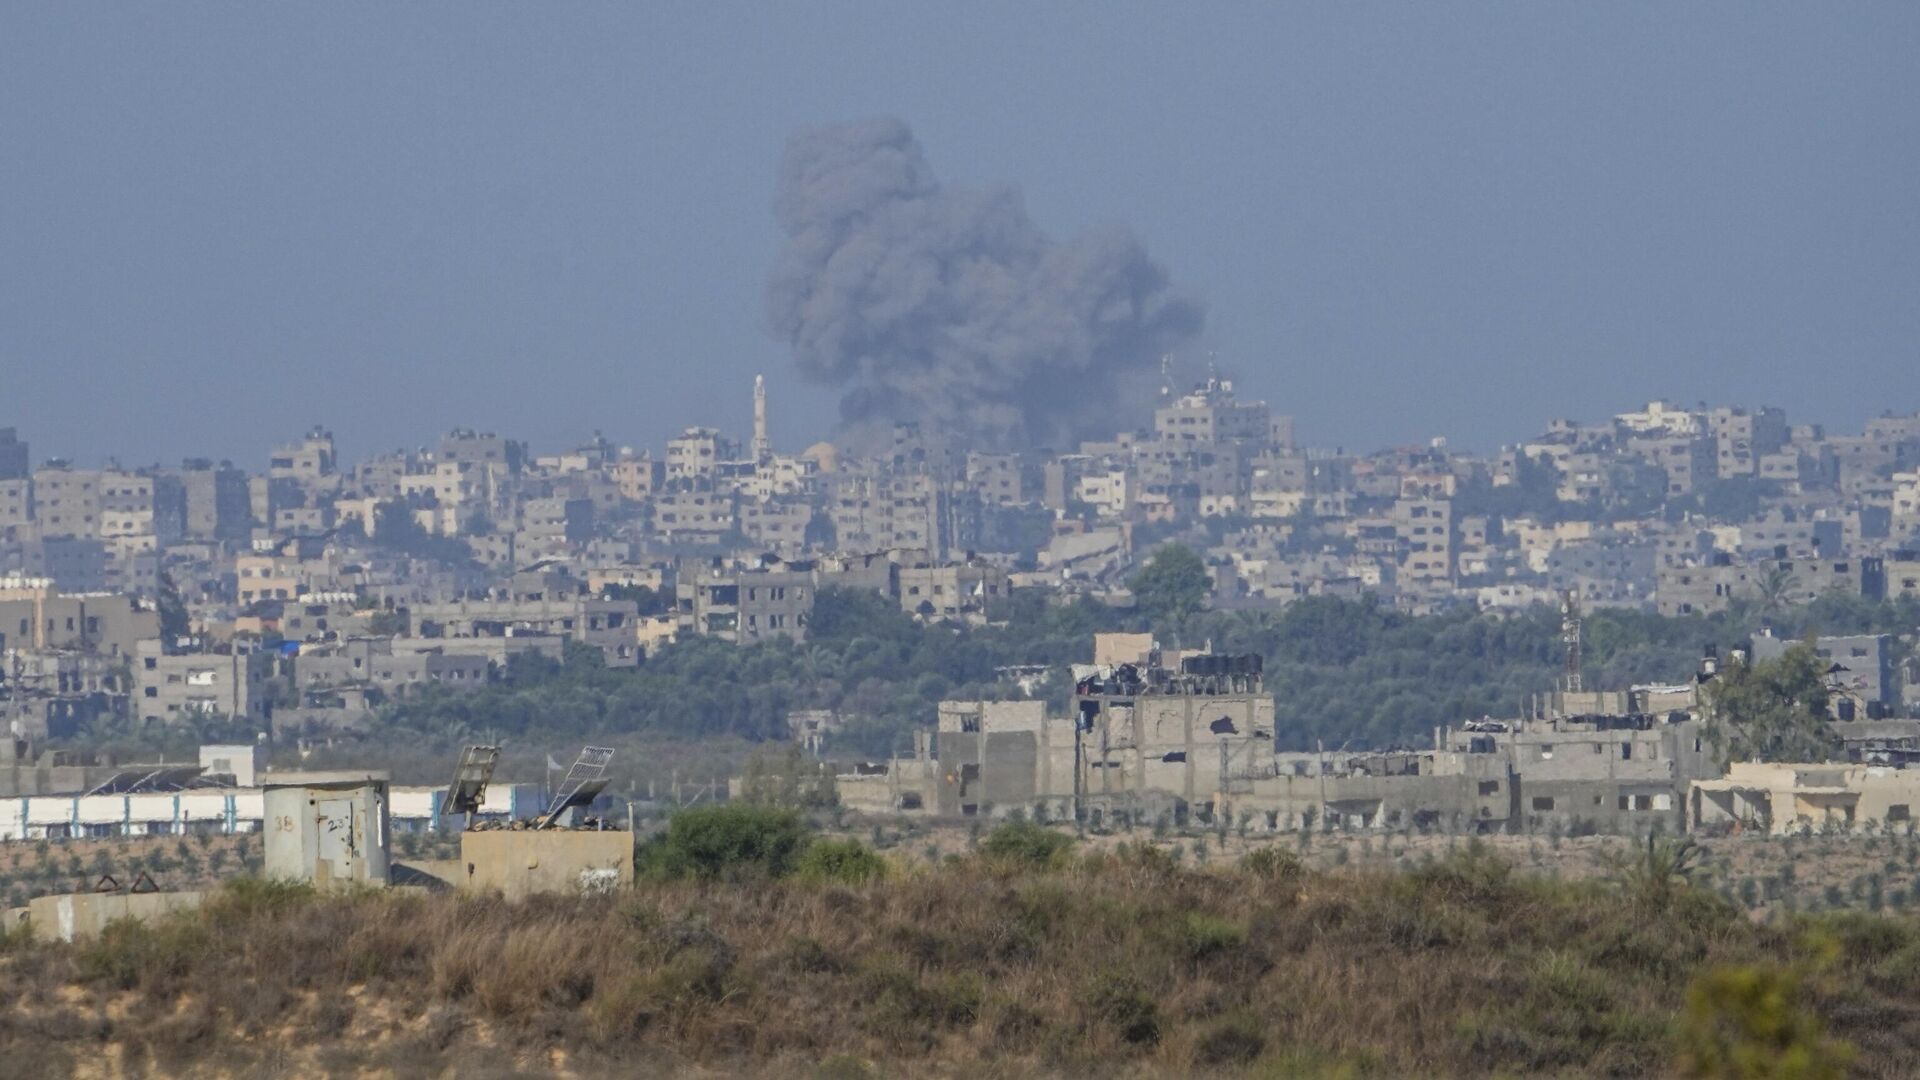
283 823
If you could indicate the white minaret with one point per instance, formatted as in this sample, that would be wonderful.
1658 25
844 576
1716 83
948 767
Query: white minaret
762 447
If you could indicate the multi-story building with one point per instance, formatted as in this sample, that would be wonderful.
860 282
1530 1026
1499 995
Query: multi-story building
66 501
959 592
1716 584
35 615
215 504
307 462
1424 531
14 460
1211 414
745 604
483 450
170 687
777 525
996 478
1742 437
1863 671
697 453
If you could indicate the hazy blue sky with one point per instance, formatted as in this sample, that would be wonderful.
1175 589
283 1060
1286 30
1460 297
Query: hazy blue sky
220 224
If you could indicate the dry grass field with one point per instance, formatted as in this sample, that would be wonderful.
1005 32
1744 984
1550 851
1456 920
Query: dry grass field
1013 959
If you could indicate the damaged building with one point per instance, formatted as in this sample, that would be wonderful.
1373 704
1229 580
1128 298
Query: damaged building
1141 740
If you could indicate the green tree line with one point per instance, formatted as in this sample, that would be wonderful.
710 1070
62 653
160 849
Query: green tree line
1341 671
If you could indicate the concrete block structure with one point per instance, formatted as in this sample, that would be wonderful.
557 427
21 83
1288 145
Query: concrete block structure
82 916
518 863
1785 798
327 828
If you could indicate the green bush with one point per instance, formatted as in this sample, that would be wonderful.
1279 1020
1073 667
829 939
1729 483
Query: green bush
1119 1002
1025 843
1203 936
840 862
729 843
1750 1021
1273 863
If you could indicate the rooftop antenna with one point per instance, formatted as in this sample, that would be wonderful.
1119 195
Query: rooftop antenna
470 778
583 783
1570 635
1166 375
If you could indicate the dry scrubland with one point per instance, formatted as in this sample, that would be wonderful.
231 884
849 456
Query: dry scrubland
1765 875
1016 960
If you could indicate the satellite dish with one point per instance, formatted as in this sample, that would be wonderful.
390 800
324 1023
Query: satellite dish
470 779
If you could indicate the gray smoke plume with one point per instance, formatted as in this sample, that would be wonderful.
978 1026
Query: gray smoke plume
951 307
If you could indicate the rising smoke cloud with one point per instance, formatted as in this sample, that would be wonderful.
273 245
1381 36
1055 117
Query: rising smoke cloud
951 307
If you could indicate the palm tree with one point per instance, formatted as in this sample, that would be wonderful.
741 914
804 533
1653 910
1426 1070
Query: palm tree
1777 588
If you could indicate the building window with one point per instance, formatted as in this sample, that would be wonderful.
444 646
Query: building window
1542 803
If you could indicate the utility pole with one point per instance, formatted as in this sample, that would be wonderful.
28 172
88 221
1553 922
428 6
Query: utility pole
1570 635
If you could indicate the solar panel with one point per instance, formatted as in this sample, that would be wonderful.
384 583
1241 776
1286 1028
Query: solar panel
148 778
470 778
584 782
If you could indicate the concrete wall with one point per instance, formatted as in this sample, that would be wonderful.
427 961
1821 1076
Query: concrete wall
522 863
81 916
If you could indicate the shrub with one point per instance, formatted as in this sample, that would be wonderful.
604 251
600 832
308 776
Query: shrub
1273 863
840 862
246 898
1747 1021
1204 936
130 953
731 843
1120 1003
1026 844
1235 1041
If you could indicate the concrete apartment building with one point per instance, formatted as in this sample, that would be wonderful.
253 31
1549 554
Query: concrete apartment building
1689 461
1742 437
1614 773
637 477
696 454
960 592
999 478
169 687
16 509
1863 678
694 516
482 450
66 501
55 694
1715 585
608 625
215 502
371 664
307 462
744 605
15 462
36 615
1393 790
1143 743
1424 532
1211 414
777 525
